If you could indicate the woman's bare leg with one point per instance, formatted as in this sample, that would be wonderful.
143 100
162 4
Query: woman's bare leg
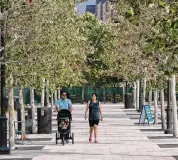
91 132
96 132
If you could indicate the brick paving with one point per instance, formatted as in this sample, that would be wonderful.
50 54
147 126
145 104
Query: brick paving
119 139
156 134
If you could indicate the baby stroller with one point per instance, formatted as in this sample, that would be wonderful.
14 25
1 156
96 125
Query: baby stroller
64 126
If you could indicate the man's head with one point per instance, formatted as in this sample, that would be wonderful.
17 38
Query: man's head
63 95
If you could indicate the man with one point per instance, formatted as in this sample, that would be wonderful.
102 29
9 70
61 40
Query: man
63 103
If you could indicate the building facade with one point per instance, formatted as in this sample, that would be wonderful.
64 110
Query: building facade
91 9
102 9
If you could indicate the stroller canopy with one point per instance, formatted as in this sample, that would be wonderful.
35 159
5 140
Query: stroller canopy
64 113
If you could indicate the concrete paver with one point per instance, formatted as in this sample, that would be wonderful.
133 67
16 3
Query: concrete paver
119 139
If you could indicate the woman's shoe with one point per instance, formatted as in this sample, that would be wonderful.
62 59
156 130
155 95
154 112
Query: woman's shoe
90 139
96 141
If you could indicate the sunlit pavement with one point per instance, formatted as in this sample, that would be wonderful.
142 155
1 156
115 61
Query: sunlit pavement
119 139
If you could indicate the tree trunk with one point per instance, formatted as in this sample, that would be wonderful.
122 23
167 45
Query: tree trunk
104 95
59 93
47 97
47 92
174 106
123 92
137 97
43 93
32 103
144 91
83 93
150 98
155 106
22 112
162 109
52 101
11 115
159 98
55 97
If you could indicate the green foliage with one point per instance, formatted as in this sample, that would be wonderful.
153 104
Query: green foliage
100 39
49 40
162 42
45 44
155 39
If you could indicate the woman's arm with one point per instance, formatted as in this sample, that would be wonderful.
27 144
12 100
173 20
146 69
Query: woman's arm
86 110
100 109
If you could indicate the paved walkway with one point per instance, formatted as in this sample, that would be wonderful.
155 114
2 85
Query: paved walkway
119 139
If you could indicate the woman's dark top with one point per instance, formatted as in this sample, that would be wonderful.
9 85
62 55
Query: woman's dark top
94 110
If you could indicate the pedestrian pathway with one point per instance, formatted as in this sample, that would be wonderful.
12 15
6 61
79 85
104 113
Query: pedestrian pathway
119 139
156 134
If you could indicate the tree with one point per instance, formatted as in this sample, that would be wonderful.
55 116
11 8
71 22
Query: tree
39 37
42 46
155 26
163 45
100 39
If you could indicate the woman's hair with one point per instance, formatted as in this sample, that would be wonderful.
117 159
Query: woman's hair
94 94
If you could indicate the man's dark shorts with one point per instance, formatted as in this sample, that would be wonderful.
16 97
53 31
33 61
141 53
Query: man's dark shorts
93 122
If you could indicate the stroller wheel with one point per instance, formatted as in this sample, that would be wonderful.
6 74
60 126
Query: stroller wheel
56 138
63 140
72 138
70 135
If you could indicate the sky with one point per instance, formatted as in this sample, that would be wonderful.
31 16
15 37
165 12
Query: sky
82 6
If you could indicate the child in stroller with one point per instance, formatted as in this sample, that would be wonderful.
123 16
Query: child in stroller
64 126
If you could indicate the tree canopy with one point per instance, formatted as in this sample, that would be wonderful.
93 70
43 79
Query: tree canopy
48 39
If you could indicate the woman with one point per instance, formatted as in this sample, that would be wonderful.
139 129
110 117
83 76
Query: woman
95 114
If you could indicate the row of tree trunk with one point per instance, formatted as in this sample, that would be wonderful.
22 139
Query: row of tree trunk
172 93
54 98
12 117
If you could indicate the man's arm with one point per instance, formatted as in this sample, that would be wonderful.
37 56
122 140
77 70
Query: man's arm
57 107
70 106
